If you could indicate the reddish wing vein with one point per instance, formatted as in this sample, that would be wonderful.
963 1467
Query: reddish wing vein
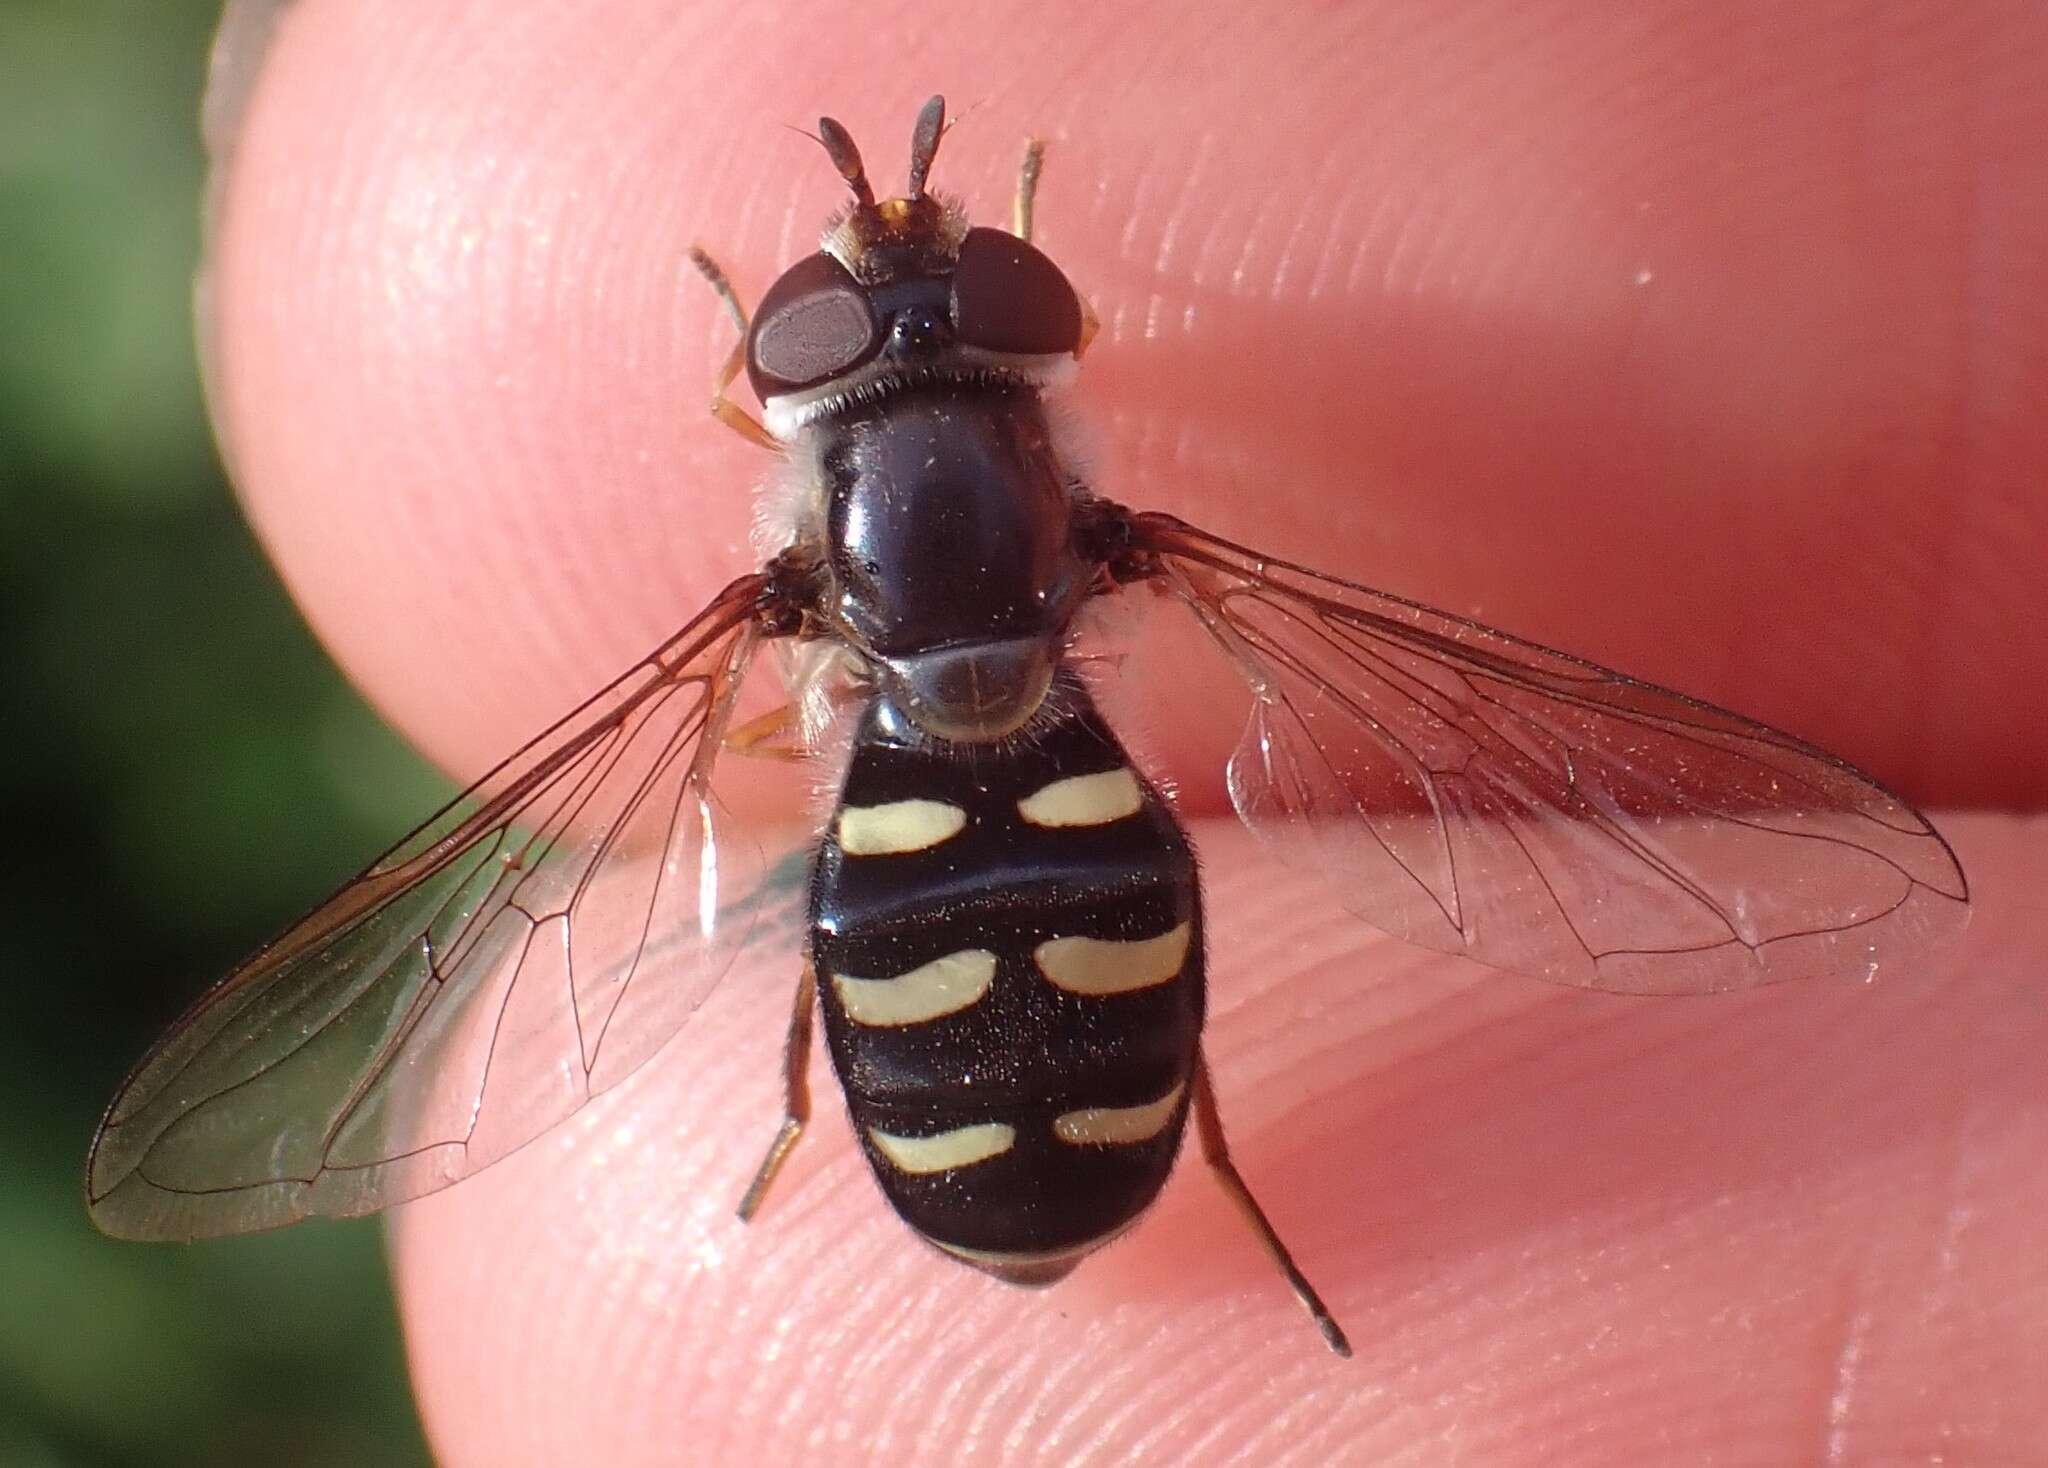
528 947
1478 794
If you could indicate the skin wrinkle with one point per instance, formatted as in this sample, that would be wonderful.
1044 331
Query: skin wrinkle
1200 187
1005 1402
1841 1372
1331 257
965 1399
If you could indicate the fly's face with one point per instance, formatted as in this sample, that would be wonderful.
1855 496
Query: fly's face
903 363
905 290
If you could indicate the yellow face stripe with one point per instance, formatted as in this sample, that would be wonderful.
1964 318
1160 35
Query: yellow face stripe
961 1147
1113 966
1113 1125
943 986
1084 800
899 826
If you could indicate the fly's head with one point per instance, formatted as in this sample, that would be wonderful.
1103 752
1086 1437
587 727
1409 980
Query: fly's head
903 290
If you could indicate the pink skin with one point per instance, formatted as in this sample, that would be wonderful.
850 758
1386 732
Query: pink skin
1707 342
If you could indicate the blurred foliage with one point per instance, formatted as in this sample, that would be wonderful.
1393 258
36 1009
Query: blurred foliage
185 772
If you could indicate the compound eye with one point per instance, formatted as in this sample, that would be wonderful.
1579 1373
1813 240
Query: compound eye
1008 297
813 325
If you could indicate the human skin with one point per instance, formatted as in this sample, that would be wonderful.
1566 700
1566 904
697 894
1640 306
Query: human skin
1706 340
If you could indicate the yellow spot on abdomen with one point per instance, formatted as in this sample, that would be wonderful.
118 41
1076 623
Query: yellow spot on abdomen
1111 1125
943 986
1084 800
1113 966
899 826
961 1147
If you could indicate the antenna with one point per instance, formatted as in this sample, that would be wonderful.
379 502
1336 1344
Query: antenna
846 158
924 142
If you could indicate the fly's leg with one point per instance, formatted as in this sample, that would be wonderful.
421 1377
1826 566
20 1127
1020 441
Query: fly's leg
1027 188
796 1093
723 408
1021 213
756 739
1209 1126
779 733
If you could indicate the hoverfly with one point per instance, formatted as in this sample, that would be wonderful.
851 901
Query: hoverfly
1004 923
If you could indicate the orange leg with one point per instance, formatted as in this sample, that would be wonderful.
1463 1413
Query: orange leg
796 1094
723 408
1027 188
1209 1127
1090 324
755 738
1021 214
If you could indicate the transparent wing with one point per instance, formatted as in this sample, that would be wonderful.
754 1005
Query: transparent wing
1478 794
525 949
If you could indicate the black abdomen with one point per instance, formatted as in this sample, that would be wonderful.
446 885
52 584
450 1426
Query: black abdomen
1008 945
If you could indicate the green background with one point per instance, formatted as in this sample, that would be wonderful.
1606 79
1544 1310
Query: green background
184 773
